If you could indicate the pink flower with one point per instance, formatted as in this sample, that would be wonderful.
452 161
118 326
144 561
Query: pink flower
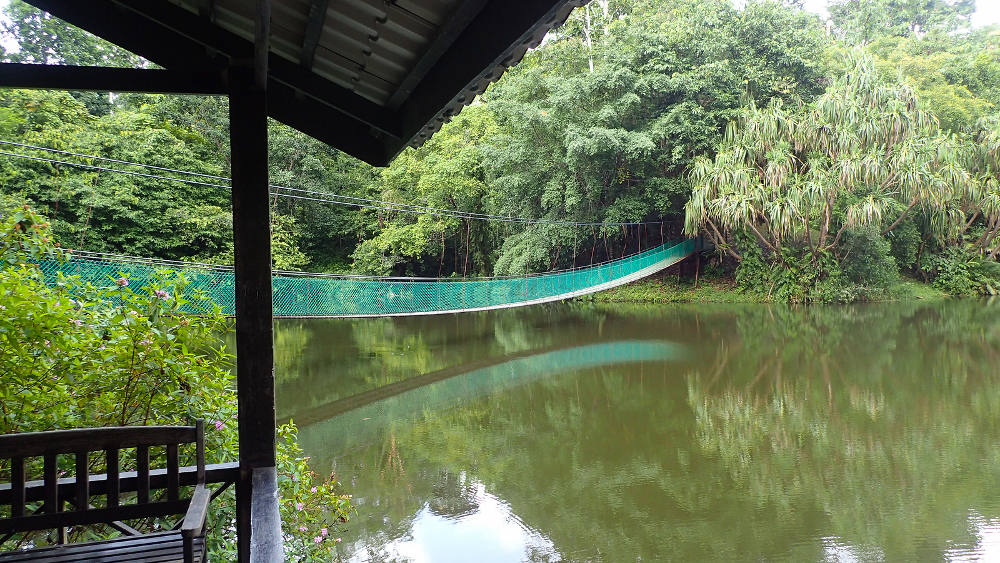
323 532
162 294
337 540
219 425
122 282
77 322
312 490
302 528
318 539
299 506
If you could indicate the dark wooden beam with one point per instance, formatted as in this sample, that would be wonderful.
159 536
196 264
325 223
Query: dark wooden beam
333 96
174 38
252 257
502 27
132 32
107 79
206 9
351 136
464 13
314 29
266 544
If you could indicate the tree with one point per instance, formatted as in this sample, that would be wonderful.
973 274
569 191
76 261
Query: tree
445 173
610 145
864 156
862 21
43 39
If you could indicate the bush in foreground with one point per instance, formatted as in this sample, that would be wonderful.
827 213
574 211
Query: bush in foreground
75 355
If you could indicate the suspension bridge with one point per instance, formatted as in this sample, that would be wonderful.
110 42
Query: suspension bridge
300 294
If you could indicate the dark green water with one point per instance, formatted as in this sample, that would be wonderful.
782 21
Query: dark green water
684 433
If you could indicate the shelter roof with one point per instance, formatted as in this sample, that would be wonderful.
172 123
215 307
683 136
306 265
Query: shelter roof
366 76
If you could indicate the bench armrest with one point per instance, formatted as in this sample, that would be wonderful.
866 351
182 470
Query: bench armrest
194 521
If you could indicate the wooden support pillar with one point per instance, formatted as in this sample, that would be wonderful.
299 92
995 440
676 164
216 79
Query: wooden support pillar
252 254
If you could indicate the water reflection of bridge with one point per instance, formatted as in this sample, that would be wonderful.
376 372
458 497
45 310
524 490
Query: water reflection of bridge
349 418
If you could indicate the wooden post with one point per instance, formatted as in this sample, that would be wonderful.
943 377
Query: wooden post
252 254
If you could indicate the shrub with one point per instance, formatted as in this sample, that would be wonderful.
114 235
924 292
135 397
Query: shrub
795 278
905 244
75 355
868 265
960 272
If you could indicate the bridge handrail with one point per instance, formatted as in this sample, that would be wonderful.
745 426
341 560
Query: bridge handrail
298 295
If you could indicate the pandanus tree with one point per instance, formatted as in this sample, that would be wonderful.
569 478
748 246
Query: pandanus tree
984 201
863 156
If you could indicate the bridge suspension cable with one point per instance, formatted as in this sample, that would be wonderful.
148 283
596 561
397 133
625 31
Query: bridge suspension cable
307 195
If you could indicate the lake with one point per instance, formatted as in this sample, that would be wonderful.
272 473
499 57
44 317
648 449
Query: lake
586 432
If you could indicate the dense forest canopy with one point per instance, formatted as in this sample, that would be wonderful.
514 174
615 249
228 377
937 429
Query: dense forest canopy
823 158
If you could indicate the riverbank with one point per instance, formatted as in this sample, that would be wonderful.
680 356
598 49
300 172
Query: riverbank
671 289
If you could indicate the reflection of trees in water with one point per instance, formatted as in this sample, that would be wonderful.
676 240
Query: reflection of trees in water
871 424
454 496
883 417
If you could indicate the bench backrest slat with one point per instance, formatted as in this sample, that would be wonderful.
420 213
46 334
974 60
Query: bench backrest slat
111 470
142 472
199 434
173 473
17 486
82 481
51 484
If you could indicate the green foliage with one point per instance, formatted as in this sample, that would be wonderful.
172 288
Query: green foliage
959 272
285 253
944 69
613 119
905 243
866 261
610 143
834 178
76 355
797 278
311 503
862 21
446 172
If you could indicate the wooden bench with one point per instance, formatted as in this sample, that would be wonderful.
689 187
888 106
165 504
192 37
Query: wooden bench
68 501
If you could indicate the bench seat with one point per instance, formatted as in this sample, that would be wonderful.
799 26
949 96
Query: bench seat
160 547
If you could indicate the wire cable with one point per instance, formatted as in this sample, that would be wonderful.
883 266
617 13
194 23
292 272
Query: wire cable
105 159
94 256
324 197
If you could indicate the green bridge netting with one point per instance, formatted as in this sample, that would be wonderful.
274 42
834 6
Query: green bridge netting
318 295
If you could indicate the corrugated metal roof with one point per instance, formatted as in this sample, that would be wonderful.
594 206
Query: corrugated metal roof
371 46
388 73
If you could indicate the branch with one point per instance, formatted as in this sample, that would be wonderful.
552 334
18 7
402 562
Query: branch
901 217
836 239
763 240
721 241
968 224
